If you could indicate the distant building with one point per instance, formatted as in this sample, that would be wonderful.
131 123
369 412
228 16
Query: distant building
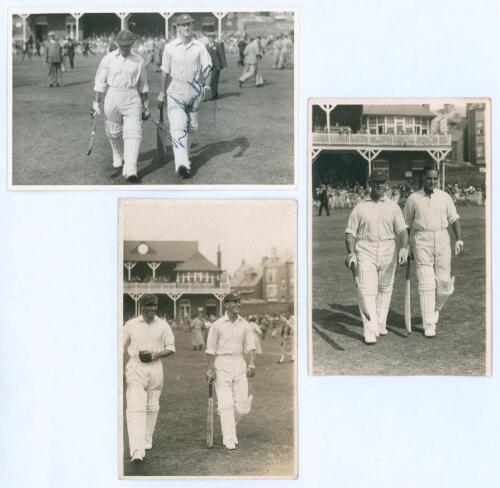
349 141
475 141
266 287
176 271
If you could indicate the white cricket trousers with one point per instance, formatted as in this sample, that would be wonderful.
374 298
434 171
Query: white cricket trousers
432 254
123 124
144 387
231 386
250 71
183 119
376 267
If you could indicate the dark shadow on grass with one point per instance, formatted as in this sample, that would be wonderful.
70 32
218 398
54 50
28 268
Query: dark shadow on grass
206 153
327 339
155 163
336 319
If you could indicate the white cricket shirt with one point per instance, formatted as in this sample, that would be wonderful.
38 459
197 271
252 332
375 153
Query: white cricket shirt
376 221
433 212
226 337
138 335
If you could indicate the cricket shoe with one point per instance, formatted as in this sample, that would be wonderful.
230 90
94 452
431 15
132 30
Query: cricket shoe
117 163
137 459
184 172
132 179
382 330
230 445
430 331
370 337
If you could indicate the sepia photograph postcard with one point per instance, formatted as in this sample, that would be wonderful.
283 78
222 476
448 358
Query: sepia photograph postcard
207 339
147 99
399 236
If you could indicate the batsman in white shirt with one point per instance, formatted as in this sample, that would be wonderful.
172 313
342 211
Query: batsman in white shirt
370 238
428 213
228 339
147 339
122 76
185 81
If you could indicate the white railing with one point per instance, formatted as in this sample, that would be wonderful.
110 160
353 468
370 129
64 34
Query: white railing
158 286
380 140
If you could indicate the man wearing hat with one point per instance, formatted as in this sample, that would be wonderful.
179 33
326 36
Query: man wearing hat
185 79
197 326
370 238
146 339
123 73
54 58
228 339
428 213
219 62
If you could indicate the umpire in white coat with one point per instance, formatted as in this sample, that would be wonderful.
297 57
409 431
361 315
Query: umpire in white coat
228 339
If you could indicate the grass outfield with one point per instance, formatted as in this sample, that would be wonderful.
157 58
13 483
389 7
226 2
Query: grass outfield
266 435
237 141
337 336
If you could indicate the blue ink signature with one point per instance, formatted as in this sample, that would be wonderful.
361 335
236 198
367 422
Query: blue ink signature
198 84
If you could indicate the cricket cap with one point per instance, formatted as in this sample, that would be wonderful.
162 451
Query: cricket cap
184 19
148 299
379 175
125 38
232 297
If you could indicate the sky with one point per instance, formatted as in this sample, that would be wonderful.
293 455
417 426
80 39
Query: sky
244 229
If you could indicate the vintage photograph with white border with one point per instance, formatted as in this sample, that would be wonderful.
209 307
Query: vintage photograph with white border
399 236
150 99
207 339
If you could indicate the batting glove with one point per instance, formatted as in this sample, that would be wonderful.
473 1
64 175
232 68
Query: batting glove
210 375
351 258
459 247
95 110
250 371
403 255
145 356
162 97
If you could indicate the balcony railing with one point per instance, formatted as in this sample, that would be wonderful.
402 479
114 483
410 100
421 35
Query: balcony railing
407 140
158 287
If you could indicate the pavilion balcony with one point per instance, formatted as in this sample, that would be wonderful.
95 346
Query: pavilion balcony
391 141
159 287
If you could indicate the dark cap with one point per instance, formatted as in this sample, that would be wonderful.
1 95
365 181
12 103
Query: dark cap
211 34
125 38
232 297
148 299
184 19
379 175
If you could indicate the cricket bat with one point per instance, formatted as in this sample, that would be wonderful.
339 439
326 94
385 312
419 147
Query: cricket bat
408 297
92 135
210 416
161 143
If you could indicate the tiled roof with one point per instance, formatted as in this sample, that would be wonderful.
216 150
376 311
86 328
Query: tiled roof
170 251
248 275
415 110
197 262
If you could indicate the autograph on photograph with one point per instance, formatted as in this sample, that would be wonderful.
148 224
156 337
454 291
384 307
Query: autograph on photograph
189 106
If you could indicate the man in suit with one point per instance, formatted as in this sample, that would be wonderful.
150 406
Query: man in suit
54 58
218 56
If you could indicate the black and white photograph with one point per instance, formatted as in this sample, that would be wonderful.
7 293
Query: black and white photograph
152 98
207 338
399 237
